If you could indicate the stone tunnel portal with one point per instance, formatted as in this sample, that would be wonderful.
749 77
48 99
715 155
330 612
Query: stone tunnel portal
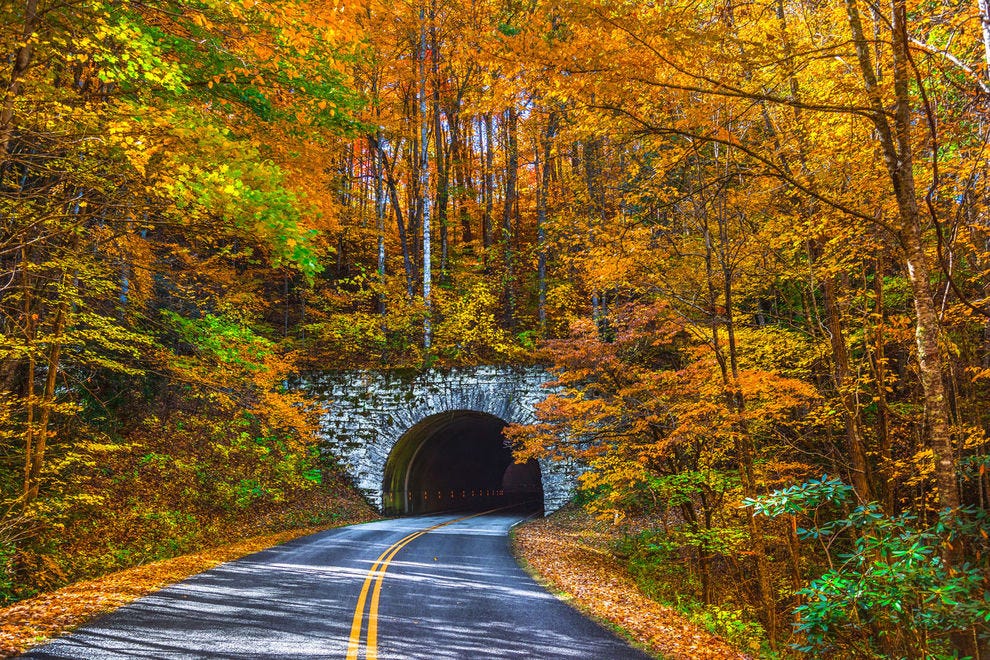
457 460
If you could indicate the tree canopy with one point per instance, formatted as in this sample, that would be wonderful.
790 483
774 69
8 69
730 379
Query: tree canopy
751 239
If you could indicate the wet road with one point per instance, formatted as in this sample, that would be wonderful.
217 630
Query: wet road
434 586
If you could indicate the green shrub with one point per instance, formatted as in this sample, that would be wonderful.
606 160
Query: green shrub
891 587
7 578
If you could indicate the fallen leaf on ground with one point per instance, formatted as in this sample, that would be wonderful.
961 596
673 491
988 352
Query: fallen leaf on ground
561 549
30 622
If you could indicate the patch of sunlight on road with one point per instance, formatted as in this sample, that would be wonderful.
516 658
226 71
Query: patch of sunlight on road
473 578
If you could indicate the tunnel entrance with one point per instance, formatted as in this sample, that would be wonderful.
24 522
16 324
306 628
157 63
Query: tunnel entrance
457 460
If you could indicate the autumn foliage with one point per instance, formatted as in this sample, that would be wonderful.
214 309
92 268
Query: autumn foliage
148 207
750 239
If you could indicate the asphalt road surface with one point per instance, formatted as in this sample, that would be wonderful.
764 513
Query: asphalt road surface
434 586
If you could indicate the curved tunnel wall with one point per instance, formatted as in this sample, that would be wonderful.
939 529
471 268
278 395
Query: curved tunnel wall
457 460
367 413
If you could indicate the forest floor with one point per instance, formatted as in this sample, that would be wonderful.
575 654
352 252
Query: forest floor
568 552
30 622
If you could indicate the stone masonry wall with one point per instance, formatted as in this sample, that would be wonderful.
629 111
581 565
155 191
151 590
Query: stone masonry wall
368 411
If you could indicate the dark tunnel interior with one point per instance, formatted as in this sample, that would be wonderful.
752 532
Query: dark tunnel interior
458 460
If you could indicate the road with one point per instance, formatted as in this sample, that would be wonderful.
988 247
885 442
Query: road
433 586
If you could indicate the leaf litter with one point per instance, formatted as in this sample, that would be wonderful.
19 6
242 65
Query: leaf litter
568 551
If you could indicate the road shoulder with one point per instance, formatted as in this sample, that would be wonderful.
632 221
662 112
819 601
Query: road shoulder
567 554
30 622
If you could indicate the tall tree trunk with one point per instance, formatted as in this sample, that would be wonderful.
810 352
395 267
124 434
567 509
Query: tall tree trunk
378 175
931 362
841 372
37 457
414 194
745 447
424 177
542 192
364 182
489 171
844 385
20 61
899 158
511 176
460 157
878 362
592 176
30 335
393 190
718 264
895 142
984 6
441 150
442 199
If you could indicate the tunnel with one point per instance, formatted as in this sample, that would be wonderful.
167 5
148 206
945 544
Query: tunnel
458 461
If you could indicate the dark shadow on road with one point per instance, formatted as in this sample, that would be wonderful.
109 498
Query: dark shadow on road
453 593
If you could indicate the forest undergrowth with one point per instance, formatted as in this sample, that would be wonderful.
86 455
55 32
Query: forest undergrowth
751 241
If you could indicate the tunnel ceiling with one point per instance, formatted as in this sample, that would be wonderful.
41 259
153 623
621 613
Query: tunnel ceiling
456 460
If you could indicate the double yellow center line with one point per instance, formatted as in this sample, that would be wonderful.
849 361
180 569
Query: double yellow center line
373 583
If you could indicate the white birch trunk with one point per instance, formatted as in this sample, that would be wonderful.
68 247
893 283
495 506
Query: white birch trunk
424 181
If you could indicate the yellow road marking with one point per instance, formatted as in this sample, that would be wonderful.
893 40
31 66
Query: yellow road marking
372 643
353 646
376 575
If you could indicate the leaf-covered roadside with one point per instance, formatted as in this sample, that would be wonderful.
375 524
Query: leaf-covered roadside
568 550
29 622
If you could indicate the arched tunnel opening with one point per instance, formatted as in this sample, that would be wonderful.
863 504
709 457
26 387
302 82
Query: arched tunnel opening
458 460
